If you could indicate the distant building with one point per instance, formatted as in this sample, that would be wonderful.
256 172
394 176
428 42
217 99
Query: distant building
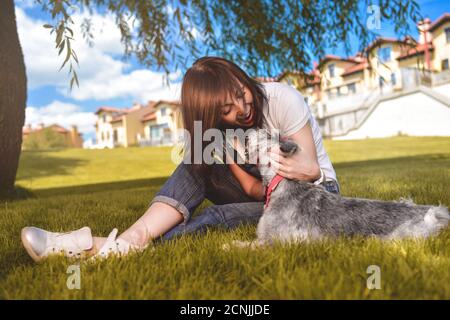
72 138
152 124
398 86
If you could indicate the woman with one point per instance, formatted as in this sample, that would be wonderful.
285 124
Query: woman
221 95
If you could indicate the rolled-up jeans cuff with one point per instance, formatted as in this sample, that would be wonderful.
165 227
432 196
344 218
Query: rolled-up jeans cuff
175 204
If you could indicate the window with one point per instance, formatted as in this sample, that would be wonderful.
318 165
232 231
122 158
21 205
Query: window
104 118
447 34
338 91
351 88
331 70
330 94
444 64
163 112
393 79
159 131
380 81
384 54
115 136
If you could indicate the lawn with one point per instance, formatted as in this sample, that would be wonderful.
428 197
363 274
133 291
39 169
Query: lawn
112 188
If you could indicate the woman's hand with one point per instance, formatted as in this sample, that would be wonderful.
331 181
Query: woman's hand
252 186
303 164
298 166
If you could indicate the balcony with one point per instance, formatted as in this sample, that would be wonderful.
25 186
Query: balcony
163 141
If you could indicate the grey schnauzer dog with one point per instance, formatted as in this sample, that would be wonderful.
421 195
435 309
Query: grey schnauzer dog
303 211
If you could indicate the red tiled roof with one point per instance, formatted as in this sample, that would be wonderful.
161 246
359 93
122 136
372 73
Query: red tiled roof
382 40
110 109
169 102
54 127
311 77
26 130
149 116
266 79
443 18
58 128
411 52
332 57
356 68
116 119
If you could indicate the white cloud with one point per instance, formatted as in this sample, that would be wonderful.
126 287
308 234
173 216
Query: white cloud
63 114
142 85
102 73
26 4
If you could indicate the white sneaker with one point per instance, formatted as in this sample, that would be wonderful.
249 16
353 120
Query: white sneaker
40 243
116 247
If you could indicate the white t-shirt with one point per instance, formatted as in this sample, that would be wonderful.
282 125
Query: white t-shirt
288 112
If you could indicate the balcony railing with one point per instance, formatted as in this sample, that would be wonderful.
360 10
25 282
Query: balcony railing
164 141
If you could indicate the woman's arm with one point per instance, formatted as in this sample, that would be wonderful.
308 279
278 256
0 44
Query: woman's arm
302 165
251 185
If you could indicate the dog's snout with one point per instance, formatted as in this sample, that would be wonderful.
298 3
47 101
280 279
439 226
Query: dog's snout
288 147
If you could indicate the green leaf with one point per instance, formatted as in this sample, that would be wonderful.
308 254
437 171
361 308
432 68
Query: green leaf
61 48
69 52
70 30
74 55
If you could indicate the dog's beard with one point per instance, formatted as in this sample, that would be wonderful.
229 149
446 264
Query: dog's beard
260 142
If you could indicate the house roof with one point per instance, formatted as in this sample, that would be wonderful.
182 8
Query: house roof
417 50
149 116
311 77
439 21
110 109
356 68
116 119
380 40
332 57
168 102
58 128
55 127
26 130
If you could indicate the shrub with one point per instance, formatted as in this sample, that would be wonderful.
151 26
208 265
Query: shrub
43 139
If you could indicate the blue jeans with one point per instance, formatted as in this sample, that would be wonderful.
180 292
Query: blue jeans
186 189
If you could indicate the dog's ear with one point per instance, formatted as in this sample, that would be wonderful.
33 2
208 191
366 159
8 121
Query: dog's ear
288 147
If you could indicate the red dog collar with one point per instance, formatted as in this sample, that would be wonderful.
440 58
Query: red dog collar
270 187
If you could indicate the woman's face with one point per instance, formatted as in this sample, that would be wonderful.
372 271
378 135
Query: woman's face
238 110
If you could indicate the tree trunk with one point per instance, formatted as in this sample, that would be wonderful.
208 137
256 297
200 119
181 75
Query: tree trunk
13 96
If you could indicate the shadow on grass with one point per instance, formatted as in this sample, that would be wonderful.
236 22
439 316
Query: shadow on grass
387 166
100 187
399 163
37 164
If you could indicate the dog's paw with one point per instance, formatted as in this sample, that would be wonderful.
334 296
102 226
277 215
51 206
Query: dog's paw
226 247
241 244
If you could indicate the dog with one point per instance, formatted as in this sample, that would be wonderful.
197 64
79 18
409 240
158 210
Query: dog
302 211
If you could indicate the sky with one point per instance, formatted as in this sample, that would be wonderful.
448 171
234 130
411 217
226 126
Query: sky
106 78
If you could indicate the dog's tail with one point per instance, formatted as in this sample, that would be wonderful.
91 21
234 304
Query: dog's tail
436 218
424 225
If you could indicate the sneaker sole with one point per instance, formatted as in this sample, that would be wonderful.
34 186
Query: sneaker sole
28 248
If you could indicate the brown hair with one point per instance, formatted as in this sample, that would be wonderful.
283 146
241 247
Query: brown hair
206 86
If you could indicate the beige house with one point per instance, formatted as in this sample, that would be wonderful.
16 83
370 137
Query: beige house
342 91
161 123
151 124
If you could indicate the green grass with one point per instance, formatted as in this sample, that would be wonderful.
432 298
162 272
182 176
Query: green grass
112 188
